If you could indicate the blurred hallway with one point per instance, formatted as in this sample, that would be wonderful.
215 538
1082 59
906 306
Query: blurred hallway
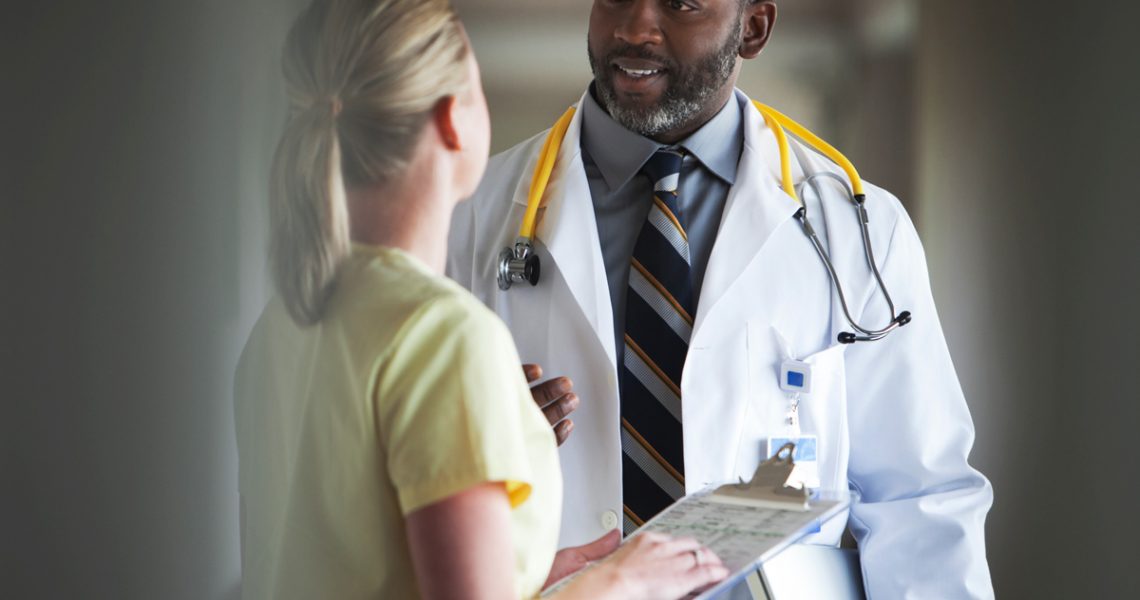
138 137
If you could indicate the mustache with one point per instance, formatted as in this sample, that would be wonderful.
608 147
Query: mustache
627 50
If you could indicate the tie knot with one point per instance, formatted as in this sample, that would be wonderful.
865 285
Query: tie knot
664 169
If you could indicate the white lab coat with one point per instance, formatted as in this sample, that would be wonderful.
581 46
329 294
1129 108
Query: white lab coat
890 415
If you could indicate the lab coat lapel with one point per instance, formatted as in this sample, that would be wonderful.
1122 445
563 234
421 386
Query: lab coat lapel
568 229
755 207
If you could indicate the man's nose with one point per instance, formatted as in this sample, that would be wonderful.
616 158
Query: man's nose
640 23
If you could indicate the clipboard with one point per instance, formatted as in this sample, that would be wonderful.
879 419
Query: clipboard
769 485
746 523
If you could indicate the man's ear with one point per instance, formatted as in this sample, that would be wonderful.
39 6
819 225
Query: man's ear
759 18
443 118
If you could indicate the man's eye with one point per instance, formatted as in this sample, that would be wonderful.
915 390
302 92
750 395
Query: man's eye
678 5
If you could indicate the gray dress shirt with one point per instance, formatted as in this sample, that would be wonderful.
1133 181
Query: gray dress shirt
613 157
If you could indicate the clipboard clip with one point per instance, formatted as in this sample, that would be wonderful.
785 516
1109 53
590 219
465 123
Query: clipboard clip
769 485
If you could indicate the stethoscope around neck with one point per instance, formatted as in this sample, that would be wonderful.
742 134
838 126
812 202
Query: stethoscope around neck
521 263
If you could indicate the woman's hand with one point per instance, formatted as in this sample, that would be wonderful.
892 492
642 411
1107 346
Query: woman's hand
651 566
571 560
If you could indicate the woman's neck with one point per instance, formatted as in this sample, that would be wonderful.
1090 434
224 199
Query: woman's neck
412 213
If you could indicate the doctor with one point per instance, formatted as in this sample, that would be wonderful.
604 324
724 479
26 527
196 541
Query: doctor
676 282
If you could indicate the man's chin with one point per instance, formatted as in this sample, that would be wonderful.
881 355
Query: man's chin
640 113
648 123
636 109
640 105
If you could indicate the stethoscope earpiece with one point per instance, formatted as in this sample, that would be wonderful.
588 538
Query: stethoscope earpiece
846 337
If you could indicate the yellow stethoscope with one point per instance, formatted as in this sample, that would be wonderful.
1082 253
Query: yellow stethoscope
521 263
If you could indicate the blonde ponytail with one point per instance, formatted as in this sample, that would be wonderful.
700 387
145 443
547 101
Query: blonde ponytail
308 214
363 76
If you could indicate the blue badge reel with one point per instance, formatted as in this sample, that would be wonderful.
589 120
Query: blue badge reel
795 377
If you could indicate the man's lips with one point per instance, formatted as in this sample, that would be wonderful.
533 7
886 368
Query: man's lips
638 73
637 68
638 77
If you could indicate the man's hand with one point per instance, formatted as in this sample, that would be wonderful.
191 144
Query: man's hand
555 398
571 560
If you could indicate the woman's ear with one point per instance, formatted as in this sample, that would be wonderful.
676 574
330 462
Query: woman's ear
444 117
759 18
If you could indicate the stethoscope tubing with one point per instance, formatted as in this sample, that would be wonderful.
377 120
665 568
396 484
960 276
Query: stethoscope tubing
868 252
520 263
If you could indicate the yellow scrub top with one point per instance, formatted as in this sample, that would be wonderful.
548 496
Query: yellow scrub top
406 392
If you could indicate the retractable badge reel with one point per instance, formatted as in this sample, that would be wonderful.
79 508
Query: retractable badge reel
795 381
795 377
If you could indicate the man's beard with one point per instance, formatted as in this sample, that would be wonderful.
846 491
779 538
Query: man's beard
688 92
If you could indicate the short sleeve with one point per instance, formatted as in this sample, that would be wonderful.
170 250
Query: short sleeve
452 404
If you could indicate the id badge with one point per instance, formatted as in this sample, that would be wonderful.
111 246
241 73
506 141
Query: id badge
806 471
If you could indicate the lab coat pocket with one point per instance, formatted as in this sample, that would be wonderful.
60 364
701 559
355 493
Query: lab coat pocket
822 412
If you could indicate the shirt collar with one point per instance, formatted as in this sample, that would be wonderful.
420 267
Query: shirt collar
718 143
620 153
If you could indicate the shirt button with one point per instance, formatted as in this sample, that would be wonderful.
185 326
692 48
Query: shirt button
609 520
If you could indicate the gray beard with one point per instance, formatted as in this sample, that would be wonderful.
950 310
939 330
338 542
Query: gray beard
670 114
683 100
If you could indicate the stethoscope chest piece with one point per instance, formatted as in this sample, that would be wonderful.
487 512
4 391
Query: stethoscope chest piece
518 264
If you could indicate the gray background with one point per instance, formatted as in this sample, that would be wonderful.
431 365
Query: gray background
136 142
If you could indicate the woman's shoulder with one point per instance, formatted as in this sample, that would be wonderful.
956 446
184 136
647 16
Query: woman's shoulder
391 286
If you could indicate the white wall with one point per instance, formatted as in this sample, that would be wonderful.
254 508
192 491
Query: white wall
138 137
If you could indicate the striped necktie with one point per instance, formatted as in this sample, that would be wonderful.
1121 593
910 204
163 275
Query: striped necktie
658 323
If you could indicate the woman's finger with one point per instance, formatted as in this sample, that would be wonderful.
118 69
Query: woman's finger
680 545
704 576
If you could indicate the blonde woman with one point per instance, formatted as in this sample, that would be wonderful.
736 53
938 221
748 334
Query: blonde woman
389 446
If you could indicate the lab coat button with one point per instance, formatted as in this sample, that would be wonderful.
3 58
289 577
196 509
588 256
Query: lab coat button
609 520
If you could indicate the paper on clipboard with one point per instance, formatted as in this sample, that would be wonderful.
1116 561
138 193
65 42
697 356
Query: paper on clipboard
746 524
743 536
